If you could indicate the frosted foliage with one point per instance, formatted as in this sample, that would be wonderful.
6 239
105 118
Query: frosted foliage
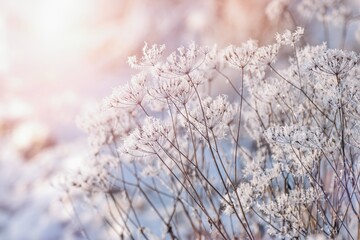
276 157
216 116
150 56
182 62
105 125
149 139
239 57
130 94
289 38
96 177
267 54
334 62
178 90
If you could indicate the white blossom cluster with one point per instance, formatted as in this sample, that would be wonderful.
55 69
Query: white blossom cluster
278 158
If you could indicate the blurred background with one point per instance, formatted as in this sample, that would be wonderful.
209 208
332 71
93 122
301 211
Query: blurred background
57 59
57 56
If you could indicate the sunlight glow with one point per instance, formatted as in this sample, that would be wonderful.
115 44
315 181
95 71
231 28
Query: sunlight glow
54 23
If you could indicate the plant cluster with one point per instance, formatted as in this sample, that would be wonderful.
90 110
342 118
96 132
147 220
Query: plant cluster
279 157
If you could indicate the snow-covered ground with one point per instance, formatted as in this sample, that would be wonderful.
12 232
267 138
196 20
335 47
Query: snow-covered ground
30 205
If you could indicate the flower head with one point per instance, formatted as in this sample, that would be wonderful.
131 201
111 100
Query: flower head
130 94
240 57
290 38
147 140
181 62
334 62
150 56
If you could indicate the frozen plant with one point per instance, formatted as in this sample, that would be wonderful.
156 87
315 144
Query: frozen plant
279 158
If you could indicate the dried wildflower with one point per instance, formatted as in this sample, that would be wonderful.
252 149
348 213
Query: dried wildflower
130 94
216 116
286 209
247 199
268 54
334 62
97 176
104 126
181 62
286 153
176 90
213 60
240 57
296 136
150 57
147 140
289 38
